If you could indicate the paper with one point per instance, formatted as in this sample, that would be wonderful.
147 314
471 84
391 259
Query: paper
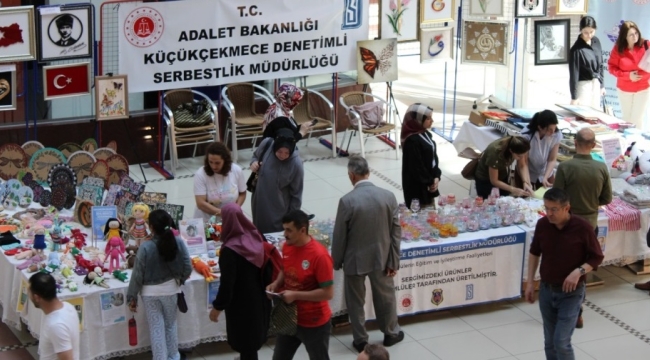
100 215
50 10
78 304
213 290
24 297
611 150
602 235
193 233
539 193
113 308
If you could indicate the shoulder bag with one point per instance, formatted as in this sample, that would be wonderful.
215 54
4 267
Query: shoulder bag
469 170
180 297
251 183
284 318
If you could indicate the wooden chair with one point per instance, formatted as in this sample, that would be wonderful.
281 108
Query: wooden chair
303 113
352 98
245 123
183 127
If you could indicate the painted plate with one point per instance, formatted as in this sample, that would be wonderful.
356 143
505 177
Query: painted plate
103 153
89 145
12 159
68 148
46 198
59 197
44 160
25 196
27 176
3 190
71 196
112 145
100 170
61 175
82 213
32 147
81 162
118 166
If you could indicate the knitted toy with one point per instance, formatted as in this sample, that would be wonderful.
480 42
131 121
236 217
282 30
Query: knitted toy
79 238
202 268
120 275
94 279
39 240
113 228
115 250
139 230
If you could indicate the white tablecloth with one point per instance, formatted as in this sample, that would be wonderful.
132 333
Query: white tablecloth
477 137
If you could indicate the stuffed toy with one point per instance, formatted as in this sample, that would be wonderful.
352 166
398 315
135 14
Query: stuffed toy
140 230
39 240
34 260
26 254
120 275
65 271
84 263
115 250
113 228
94 279
202 268
71 285
79 238
53 260
132 252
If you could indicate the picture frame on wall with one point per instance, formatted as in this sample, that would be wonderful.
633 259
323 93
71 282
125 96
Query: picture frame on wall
486 7
67 80
376 61
572 7
552 42
65 32
437 44
111 97
18 42
530 8
485 42
398 19
8 86
437 11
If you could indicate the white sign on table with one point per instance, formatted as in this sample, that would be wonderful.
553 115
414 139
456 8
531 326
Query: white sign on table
113 307
170 45
193 234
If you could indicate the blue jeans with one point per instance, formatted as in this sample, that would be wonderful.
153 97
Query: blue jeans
559 312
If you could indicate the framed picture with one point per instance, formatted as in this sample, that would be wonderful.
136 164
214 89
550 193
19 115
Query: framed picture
485 42
65 32
17 29
111 97
8 89
398 19
60 81
376 61
437 44
486 8
552 42
571 7
437 11
530 8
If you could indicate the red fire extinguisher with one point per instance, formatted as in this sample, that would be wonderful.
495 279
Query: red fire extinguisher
133 332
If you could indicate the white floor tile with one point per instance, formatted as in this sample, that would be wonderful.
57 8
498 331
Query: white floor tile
540 355
327 169
470 345
616 291
518 338
432 325
177 188
324 209
490 315
635 314
531 309
626 347
319 189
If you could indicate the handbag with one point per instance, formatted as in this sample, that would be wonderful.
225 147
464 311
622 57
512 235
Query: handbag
251 183
284 319
180 301
470 169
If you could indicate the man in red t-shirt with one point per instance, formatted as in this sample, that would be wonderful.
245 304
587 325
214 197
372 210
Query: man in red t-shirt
307 280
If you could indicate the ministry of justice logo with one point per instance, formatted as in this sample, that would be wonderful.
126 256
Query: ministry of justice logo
406 302
143 27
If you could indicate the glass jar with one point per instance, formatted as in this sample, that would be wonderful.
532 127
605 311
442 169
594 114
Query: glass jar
496 221
472 224
461 226
484 223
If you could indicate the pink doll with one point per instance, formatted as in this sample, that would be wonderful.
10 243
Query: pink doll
114 250
139 230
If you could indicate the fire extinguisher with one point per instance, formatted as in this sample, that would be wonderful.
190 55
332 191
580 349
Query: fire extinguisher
133 332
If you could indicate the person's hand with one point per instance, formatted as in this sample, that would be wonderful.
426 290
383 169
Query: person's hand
575 102
603 92
133 306
547 184
434 186
255 166
214 315
528 189
288 296
272 287
634 76
529 294
390 272
571 281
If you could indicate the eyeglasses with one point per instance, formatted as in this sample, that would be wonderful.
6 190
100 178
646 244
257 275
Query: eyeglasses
632 35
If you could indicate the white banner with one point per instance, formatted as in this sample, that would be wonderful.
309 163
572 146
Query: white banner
179 44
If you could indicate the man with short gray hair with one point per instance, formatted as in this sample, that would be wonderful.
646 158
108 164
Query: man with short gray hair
366 243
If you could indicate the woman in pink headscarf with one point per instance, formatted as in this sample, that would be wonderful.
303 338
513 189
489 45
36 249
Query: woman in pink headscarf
278 115
244 277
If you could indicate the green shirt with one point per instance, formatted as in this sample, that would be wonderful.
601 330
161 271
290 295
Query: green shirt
492 158
588 184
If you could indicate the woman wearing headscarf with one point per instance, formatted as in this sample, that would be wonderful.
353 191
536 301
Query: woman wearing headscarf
244 277
420 172
279 182
278 115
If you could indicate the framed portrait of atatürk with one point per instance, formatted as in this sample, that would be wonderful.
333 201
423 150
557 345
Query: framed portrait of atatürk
65 32
530 8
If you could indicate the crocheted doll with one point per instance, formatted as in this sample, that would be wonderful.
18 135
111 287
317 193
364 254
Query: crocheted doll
114 251
139 230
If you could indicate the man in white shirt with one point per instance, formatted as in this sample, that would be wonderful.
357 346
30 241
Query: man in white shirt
60 326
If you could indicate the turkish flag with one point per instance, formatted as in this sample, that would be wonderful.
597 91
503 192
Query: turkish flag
11 34
66 80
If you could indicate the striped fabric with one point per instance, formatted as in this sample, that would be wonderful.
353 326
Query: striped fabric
622 216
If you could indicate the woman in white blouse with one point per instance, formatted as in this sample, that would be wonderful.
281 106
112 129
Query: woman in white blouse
218 182
544 138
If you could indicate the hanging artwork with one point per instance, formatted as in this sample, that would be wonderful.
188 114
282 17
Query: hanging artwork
552 41
67 80
437 44
437 11
571 7
530 8
376 61
17 42
65 32
486 8
398 19
485 42
8 88
111 97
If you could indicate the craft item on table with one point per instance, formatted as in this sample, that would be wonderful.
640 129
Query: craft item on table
103 153
151 198
121 276
3 192
71 285
131 186
202 268
132 251
100 170
31 147
93 181
112 145
638 196
69 148
62 181
80 270
91 193
539 193
115 250
34 260
16 251
7 238
25 196
113 193
33 268
213 229
139 230
44 160
56 235
118 166
124 202
30 216
176 211
94 279
100 216
98 270
84 263
89 145
83 213
53 260
66 272
113 228
12 159
46 198
78 238
25 254
622 216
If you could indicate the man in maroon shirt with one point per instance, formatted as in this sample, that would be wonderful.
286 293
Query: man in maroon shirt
570 250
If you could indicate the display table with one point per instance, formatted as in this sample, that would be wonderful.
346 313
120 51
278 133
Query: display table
476 137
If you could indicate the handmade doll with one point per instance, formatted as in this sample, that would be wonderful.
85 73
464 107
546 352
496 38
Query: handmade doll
132 251
94 279
71 285
56 234
139 230
202 268
113 228
84 263
114 251
53 260
120 275
65 271
79 238
39 240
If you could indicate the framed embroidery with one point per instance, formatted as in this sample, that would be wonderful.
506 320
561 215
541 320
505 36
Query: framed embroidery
486 8
485 42
552 42
65 32
530 8
437 11
398 19
437 44
571 7
17 28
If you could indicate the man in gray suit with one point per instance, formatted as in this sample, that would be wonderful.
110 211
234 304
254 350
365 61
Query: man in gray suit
366 244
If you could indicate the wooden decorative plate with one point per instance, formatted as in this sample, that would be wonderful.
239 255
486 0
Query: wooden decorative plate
43 160
81 162
12 159
117 165
46 198
61 175
82 213
100 170
103 153
89 145
31 147
68 148
25 196
112 145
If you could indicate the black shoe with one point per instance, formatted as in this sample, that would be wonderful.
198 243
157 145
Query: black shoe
392 340
360 347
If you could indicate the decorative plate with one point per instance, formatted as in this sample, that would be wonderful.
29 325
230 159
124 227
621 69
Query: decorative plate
118 166
103 153
13 185
3 190
59 197
93 181
12 159
89 145
10 201
46 198
100 170
25 196
71 196
38 191
43 160
26 177
82 213
61 175
32 147
112 145
81 162
68 148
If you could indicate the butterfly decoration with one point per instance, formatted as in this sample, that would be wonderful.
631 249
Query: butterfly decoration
371 63
117 86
